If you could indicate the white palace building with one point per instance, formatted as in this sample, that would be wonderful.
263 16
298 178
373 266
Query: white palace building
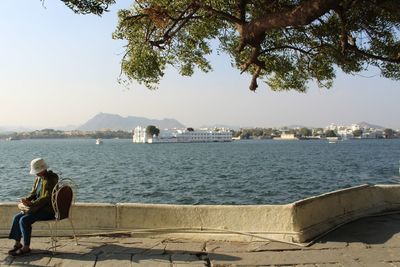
182 136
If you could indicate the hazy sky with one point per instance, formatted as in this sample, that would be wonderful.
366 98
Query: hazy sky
58 68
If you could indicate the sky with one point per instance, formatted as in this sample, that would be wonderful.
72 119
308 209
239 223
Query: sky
59 68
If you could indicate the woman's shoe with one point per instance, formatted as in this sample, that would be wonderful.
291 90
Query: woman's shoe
15 248
20 252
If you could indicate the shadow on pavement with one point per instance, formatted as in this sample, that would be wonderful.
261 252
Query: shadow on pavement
110 252
370 230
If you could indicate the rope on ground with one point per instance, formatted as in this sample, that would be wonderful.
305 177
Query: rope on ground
253 235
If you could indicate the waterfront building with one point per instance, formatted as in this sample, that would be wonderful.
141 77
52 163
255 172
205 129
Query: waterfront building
372 134
345 132
185 136
379 133
355 127
182 136
287 136
140 135
332 127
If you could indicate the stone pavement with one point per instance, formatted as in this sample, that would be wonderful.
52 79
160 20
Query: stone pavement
372 241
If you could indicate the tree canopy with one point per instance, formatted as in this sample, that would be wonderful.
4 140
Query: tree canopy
330 133
357 133
388 132
88 6
304 132
286 43
152 130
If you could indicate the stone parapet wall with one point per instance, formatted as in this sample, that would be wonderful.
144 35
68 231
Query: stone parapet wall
316 215
295 222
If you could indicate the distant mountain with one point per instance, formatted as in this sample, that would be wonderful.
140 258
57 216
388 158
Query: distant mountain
364 124
298 126
117 122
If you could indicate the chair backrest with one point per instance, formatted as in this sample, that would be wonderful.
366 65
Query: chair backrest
63 198
64 201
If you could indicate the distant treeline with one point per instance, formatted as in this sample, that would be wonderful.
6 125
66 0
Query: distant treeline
268 133
262 133
50 133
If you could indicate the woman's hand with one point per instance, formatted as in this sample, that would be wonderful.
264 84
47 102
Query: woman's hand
26 202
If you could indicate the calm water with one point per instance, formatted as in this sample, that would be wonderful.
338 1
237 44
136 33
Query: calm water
244 172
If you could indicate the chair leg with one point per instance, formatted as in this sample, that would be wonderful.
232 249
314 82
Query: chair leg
55 236
52 237
73 230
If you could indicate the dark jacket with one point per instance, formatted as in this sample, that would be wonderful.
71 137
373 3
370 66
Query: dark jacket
43 201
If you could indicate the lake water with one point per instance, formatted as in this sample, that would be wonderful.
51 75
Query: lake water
243 172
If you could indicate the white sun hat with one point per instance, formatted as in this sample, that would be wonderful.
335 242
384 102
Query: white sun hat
38 165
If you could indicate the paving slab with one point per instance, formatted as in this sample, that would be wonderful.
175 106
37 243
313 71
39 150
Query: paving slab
255 246
151 260
277 246
328 265
141 245
142 242
120 260
374 255
392 241
220 246
377 264
32 260
184 247
78 249
276 258
5 259
183 260
157 249
72 259
114 248
329 245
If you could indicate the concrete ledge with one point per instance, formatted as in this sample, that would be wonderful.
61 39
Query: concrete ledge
316 215
236 218
274 220
295 222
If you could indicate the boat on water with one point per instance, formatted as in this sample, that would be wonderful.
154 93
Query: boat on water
332 140
12 138
99 141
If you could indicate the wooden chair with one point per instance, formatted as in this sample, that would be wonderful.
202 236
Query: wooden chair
62 198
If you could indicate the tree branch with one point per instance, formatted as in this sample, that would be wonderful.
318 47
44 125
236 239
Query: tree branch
303 14
242 10
369 55
228 17
300 15
183 19
288 47
253 85
171 32
253 59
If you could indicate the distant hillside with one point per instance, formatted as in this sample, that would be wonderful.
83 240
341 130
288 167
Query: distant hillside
12 129
117 122
368 125
231 127
298 126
